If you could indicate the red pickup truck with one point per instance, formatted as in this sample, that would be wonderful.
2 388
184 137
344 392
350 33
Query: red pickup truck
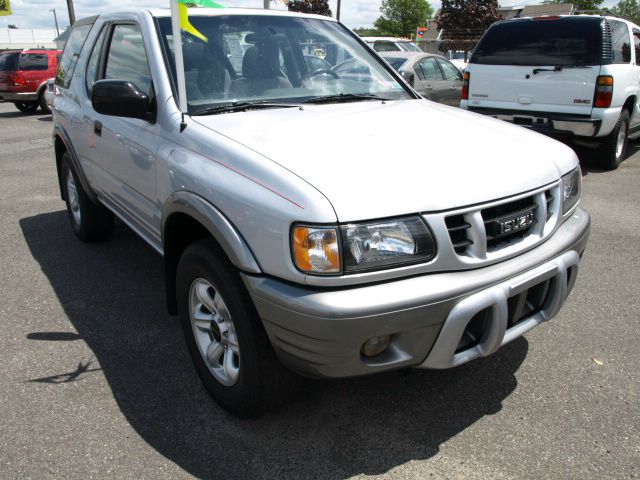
24 75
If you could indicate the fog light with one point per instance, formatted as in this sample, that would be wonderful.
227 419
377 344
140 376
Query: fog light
376 345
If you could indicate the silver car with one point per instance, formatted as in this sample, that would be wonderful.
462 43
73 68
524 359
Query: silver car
433 76
299 229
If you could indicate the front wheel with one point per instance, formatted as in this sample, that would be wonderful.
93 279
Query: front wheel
90 222
224 335
611 152
27 107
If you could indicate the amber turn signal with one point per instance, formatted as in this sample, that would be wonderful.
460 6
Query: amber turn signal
315 249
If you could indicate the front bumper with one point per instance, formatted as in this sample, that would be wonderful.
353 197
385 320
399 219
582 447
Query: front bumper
320 332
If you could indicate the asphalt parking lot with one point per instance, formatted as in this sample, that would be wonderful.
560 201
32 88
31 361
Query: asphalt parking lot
96 381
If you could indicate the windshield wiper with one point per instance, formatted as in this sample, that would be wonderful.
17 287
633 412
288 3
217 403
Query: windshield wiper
344 97
241 107
557 68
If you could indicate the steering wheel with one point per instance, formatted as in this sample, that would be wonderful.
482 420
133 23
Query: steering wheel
321 71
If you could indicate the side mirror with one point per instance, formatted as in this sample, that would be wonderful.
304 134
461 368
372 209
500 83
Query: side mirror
409 77
121 98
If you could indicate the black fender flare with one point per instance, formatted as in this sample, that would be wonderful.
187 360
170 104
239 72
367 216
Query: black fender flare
60 133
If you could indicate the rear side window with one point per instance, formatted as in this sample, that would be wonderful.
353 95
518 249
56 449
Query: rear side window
71 53
9 62
636 44
449 69
559 42
620 42
34 61
427 69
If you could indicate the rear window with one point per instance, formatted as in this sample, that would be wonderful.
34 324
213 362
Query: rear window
34 61
560 42
396 62
9 62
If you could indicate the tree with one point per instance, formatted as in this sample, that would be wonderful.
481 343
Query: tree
367 32
319 7
580 5
401 18
627 9
464 21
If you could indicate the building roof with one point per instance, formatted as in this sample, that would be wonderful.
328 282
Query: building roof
550 9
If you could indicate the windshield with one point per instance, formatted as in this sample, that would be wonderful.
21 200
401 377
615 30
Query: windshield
250 58
9 62
558 42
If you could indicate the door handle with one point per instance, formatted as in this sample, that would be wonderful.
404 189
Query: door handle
453 87
97 128
429 88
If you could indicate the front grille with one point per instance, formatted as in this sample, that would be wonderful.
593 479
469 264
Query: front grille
474 233
493 215
458 228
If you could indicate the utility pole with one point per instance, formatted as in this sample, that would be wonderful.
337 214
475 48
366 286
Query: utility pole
338 11
266 4
72 14
55 18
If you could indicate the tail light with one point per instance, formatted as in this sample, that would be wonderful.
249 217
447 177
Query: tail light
18 80
604 91
464 93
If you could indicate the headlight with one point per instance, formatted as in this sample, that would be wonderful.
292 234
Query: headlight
370 246
571 187
386 244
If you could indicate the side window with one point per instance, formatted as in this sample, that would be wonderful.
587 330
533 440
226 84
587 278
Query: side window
450 70
621 42
636 44
429 69
34 61
91 74
127 58
70 56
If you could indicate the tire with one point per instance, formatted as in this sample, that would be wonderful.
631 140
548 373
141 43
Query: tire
27 107
43 102
225 336
611 152
90 222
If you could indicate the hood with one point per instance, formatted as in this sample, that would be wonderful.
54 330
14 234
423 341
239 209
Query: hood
375 160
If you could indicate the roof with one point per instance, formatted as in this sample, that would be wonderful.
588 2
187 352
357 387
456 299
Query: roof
387 39
407 54
166 12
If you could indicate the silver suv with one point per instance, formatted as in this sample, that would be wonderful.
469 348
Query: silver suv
301 219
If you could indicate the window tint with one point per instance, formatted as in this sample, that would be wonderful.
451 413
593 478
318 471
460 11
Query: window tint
396 62
72 51
34 61
566 41
94 61
450 71
9 62
636 44
127 58
620 42
427 69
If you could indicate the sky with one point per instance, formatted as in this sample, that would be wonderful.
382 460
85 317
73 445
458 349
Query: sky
36 13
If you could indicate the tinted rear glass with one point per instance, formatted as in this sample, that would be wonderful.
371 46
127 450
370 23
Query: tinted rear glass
9 62
396 62
34 61
562 42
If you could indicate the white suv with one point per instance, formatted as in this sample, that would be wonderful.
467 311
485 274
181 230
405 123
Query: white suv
567 76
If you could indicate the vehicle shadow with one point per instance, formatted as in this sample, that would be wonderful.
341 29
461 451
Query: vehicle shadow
589 157
112 293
